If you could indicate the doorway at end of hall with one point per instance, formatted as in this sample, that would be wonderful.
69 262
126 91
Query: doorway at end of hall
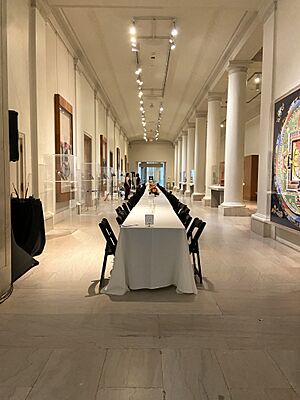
152 169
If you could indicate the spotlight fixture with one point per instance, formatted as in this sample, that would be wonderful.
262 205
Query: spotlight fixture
132 29
257 79
174 32
150 134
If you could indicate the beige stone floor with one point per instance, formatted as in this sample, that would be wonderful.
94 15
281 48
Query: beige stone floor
238 339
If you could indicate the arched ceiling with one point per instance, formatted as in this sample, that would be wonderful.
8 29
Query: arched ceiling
207 29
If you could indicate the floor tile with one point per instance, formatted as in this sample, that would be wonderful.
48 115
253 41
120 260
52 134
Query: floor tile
267 394
245 369
289 363
193 374
132 368
20 367
69 374
130 394
14 393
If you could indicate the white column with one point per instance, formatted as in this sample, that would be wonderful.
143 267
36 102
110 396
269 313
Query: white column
33 88
190 157
212 144
260 220
179 151
5 262
175 165
234 142
199 156
183 161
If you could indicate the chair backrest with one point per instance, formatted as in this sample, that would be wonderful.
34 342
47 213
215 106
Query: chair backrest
119 209
199 225
119 220
186 222
109 230
126 209
192 227
111 240
121 213
130 205
183 210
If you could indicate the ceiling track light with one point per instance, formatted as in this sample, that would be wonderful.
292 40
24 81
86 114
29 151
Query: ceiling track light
132 29
174 31
135 47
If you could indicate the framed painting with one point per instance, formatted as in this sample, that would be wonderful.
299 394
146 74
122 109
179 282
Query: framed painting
63 113
285 200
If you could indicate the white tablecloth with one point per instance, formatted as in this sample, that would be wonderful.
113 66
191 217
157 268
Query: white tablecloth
152 257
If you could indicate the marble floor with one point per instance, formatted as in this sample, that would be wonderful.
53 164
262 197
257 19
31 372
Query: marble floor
238 338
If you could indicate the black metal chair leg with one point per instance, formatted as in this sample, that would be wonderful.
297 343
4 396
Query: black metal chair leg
194 264
199 267
103 269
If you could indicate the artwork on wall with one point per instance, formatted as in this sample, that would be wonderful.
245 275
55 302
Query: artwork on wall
63 147
285 201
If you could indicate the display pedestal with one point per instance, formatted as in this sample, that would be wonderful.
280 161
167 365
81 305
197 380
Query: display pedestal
206 201
197 196
217 195
234 210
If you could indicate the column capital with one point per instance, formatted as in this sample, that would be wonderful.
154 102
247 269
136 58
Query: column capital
215 96
191 125
184 133
238 66
200 114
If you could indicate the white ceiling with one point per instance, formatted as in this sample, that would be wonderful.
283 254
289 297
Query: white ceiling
206 28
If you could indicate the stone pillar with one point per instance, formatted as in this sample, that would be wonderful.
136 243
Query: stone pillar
179 163
5 260
212 144
175 165
183 161
234 142
260 221
190 157
199 156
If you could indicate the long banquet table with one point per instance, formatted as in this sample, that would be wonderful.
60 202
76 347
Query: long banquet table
152 257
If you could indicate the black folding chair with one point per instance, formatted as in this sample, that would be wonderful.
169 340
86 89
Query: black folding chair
122 215
111 245
126 208
186 220
198 228
191 228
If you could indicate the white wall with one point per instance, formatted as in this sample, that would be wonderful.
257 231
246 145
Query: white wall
50 66
251 145
252 136
5 268
140 151
287 54
18 69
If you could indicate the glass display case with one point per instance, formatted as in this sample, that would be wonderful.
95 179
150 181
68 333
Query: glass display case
58 185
